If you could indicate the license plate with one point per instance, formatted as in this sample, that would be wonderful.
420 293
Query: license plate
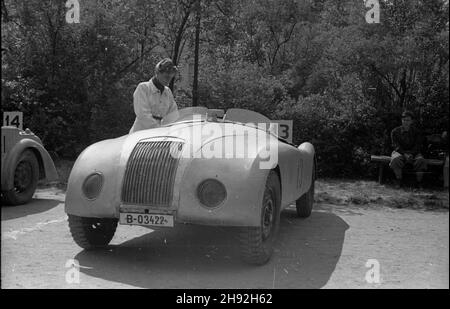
146 219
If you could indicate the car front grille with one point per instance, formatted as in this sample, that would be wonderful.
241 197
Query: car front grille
150 173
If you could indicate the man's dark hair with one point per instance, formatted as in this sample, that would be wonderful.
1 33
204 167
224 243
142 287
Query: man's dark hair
407 114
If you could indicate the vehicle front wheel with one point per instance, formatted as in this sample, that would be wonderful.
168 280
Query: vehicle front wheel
305 203
92 233
26 177
257 242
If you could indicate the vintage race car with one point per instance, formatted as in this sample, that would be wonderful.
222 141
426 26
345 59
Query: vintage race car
24 162
200 167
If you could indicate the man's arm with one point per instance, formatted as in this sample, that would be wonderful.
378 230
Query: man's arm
396 142
142 108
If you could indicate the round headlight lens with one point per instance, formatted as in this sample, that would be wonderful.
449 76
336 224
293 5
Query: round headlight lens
211 193
92 186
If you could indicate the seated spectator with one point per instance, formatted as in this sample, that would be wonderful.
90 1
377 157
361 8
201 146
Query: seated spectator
407 143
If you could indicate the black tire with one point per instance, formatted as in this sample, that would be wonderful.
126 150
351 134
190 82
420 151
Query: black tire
305 203
257 242
92 233
26 177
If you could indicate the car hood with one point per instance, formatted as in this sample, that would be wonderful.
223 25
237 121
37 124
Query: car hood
195 133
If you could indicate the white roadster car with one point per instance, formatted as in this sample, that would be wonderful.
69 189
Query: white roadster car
201 166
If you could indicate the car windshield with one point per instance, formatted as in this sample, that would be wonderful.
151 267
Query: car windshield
202 113
233 115
245 116
185 114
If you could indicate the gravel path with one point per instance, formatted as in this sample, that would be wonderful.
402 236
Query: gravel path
328 250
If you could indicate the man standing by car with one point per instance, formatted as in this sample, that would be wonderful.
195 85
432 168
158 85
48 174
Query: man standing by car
153 100
407 143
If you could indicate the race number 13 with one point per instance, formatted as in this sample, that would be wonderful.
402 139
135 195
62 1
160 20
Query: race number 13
285 129
13 119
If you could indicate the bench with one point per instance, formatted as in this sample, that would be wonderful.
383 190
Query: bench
383 161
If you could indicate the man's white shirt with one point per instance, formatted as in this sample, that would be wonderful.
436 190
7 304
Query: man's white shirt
148 102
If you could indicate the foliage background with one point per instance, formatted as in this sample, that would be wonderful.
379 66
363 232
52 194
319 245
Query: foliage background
344 82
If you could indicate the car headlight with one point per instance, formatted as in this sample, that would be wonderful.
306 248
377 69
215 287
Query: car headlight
211 193
92 186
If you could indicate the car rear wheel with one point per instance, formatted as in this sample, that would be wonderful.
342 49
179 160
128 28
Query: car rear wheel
26 177
305 203
257 242
92 233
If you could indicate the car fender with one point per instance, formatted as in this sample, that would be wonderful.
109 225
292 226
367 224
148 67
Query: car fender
242 177
244 186
294 166
47 167
103 157
308 154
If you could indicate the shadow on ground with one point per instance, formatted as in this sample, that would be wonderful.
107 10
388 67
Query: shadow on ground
306 255
33 207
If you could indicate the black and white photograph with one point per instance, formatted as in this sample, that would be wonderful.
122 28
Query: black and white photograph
235 146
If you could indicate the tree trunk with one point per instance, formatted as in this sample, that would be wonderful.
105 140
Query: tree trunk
178 42
196 53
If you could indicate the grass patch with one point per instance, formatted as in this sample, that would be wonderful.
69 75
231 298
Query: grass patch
370 193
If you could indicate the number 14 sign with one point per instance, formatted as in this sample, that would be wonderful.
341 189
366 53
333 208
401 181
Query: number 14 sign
13 119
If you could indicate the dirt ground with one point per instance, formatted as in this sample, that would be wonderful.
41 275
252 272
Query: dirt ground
405 232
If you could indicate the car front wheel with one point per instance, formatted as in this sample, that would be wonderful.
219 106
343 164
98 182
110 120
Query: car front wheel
305 203
257 242
92 233
26 177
